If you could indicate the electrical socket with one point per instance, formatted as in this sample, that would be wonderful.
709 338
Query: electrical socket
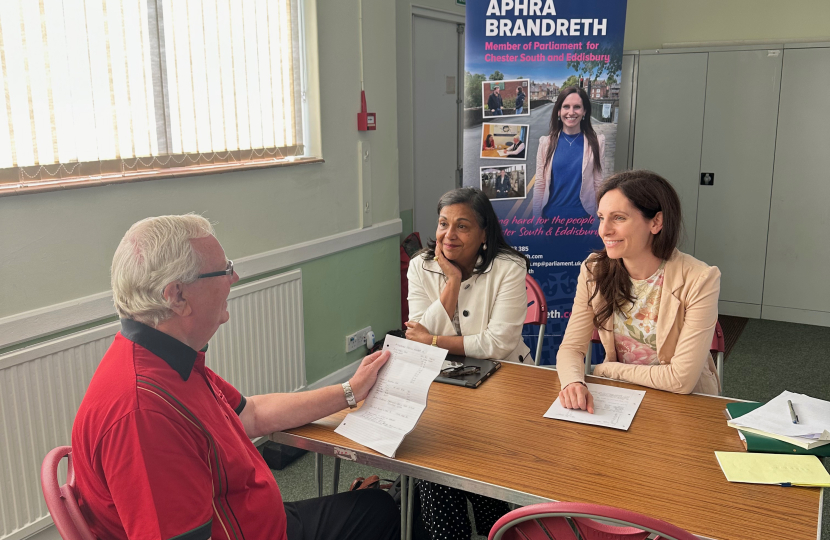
357 340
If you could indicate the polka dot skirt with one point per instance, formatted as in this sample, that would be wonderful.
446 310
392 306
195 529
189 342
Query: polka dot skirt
444 512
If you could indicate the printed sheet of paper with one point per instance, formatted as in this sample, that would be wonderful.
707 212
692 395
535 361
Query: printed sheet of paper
398 398
613 407
774 417
757 468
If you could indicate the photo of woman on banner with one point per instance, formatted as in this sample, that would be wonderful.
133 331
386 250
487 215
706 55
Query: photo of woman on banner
569 160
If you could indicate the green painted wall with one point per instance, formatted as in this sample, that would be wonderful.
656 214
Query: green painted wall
343 293
406 223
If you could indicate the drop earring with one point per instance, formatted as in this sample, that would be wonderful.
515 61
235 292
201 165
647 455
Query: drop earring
484 247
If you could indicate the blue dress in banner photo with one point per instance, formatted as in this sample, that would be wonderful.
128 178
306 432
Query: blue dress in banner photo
565 211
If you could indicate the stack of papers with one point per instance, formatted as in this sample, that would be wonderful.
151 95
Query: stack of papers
773 420
397 399
781 469
613 407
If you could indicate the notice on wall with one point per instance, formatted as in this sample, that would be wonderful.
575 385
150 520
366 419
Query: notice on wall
528 66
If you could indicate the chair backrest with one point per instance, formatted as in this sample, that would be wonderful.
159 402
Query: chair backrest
718 343
553 521
61 500
537 306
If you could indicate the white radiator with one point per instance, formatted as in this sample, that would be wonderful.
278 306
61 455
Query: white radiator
261 349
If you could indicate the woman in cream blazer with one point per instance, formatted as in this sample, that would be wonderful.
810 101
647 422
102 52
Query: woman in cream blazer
490 297
639 223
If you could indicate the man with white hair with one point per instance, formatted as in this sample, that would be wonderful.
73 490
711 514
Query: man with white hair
161 444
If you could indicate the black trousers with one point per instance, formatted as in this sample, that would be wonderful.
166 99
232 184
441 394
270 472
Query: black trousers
367 514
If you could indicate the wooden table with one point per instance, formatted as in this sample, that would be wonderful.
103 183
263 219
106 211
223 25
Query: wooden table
493 153
494 441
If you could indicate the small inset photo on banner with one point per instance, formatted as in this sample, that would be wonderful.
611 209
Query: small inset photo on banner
505 98
504 141
504 181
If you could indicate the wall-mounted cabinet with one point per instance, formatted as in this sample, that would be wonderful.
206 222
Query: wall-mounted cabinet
750 117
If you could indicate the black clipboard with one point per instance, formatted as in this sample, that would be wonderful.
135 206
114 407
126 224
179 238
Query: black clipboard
486 368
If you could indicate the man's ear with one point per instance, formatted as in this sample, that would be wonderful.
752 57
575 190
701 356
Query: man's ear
174 294
657 223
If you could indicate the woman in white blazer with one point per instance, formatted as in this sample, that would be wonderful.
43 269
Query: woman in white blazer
467 295
569 160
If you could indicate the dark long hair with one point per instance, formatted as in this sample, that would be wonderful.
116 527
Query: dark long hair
584 125
649 193
487 220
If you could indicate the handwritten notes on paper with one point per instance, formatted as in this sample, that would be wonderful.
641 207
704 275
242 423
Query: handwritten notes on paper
398 398
613 407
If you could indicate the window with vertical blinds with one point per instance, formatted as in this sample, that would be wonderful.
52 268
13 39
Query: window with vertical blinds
113 90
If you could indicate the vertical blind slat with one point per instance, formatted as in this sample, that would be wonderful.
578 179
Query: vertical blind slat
80 79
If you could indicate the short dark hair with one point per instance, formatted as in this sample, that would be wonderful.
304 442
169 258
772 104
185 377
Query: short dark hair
650 193
487 219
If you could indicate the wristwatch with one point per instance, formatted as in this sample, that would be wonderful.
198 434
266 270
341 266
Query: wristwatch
434 341
347 390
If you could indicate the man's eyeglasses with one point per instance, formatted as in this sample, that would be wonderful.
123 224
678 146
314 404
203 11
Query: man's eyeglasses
226 272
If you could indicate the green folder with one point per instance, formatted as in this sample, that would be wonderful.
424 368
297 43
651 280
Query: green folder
759 443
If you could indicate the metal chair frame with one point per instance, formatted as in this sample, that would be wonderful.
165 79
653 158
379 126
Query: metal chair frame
537 312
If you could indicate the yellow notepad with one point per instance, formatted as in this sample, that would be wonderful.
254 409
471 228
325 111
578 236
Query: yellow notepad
783 469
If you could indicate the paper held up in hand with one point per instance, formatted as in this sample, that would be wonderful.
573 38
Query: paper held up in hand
774 420
398 398
613 407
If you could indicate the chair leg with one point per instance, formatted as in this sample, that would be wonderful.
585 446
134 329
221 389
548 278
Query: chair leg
318 469
539 345
588 358
336 479
719 365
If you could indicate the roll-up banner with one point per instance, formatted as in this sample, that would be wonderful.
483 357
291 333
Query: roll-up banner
541 100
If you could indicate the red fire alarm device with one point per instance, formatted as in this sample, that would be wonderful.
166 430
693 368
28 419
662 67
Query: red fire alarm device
365 120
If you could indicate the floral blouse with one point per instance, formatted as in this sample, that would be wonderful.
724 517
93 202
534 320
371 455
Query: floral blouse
635 330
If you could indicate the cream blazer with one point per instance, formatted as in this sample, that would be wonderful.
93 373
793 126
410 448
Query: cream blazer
591 177
685 325
492 307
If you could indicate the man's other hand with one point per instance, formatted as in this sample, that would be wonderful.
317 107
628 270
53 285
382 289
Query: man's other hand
366 375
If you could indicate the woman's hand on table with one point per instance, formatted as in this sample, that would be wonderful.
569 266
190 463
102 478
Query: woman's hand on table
415 331
577 396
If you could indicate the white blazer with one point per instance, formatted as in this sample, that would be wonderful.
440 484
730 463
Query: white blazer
591 177
492 307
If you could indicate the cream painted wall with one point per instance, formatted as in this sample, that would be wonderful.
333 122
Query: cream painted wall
58 246
652 23
403 39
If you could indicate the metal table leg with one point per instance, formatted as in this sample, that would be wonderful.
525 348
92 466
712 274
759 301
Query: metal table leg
318 469
404 504
409 504
336 475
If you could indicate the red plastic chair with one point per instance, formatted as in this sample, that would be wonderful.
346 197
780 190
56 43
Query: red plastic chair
716 348
537 312
61 499
548 521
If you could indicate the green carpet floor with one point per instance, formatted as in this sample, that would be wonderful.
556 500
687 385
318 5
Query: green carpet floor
768 358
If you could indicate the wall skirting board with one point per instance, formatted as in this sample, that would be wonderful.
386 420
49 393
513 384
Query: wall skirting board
48 320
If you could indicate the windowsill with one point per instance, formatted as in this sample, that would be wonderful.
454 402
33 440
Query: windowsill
8 190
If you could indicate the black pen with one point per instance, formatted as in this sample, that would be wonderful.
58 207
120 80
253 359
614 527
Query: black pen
793 416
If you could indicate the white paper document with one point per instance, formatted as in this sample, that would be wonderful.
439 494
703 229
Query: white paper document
774 417
613 407
398 398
